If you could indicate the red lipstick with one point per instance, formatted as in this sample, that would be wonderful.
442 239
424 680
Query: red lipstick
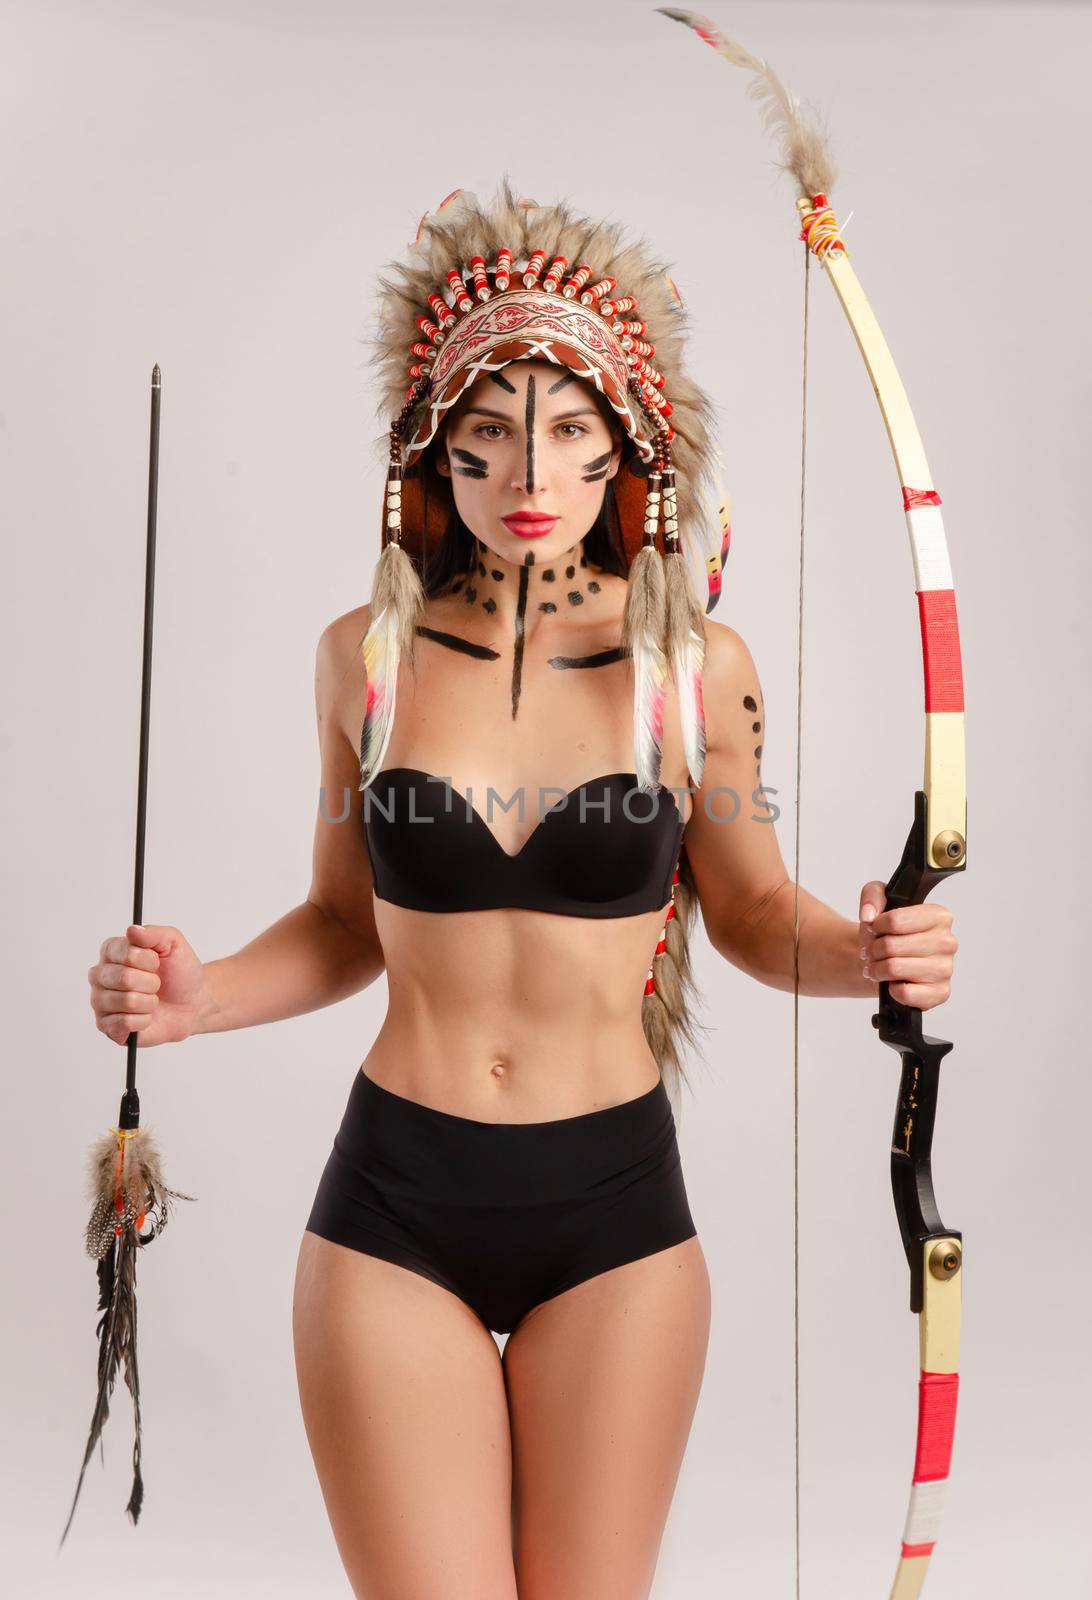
529 524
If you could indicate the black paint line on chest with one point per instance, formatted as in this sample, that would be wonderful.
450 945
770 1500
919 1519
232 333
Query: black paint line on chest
469 465
521 627
452 641
599 658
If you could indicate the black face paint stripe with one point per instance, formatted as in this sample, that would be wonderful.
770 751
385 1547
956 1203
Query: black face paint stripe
569 377
502 382
468 465
601 658
599 463
529 425
453 642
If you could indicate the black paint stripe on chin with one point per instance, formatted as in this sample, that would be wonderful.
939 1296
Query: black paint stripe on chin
454 642
502 382
601 658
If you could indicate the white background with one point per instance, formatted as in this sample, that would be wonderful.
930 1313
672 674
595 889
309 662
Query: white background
214 187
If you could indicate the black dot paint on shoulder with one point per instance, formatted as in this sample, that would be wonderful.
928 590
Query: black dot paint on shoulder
481 568
548 575
756 727
547 605
570 572
575 598
497 574
758 751
471 594
583 561
593 587
750 703
489 605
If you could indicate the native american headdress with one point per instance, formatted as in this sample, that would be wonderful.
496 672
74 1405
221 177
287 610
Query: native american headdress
483 285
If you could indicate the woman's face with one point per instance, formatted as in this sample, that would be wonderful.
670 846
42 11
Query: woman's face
529 451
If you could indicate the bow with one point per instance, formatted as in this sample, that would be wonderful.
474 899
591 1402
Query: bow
936 845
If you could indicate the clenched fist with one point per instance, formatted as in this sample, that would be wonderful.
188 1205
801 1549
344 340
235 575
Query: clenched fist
147 981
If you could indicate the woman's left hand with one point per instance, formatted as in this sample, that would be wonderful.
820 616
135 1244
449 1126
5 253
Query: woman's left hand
911 948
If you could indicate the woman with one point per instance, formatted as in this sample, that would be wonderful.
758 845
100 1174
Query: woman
508 1158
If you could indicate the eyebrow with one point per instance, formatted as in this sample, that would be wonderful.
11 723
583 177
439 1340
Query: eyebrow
504 416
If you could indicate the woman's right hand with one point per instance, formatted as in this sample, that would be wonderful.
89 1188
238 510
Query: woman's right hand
148 981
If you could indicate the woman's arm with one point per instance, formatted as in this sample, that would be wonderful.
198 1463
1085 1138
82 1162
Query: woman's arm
745 892
327 948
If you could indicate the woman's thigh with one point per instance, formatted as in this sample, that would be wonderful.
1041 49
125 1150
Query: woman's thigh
404 1405
603 1382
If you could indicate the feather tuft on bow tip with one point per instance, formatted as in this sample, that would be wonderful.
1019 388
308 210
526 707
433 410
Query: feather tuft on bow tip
797 128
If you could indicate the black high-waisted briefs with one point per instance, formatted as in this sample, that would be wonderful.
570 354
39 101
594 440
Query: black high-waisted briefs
504 1214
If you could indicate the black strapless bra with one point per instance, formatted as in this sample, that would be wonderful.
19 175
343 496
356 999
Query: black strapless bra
607 850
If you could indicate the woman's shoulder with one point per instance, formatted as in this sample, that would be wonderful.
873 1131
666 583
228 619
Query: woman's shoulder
339 661
341 639
728 669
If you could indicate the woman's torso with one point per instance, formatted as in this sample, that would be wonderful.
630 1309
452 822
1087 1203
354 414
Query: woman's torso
513 1014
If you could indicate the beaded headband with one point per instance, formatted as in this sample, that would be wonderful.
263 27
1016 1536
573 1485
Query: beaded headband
528 320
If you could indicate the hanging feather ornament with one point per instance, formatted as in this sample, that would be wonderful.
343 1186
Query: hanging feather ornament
127 1192
643 624
398 599
125 1171
685 633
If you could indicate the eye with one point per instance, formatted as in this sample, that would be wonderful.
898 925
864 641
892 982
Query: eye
482 426
577 425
